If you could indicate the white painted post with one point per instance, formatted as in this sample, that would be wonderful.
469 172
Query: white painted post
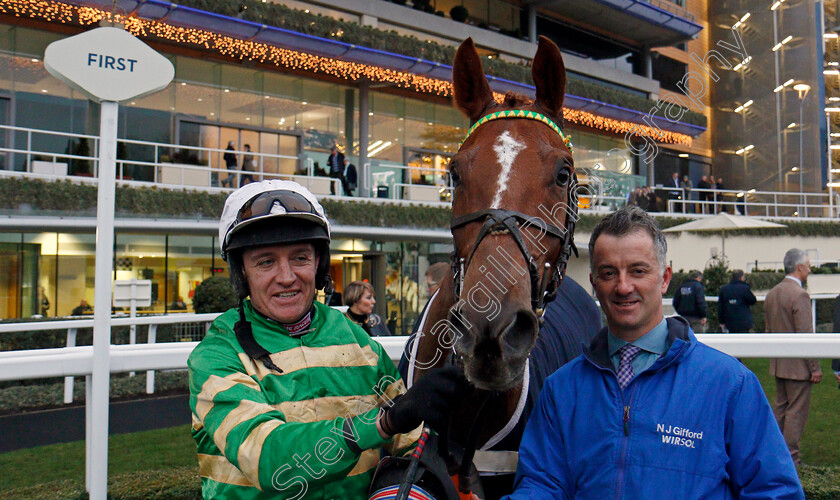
150 374
98 437
88 432
68 381
132 329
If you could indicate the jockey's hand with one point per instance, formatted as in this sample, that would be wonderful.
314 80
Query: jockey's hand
429 400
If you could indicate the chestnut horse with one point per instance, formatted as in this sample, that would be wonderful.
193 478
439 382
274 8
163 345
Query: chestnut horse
513 214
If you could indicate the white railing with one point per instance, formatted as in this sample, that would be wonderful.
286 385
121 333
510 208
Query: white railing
73 325
78 361
752 202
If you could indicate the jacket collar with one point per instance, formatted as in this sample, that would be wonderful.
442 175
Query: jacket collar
680 338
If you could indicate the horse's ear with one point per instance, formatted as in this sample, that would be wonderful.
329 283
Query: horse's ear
549 75
472 93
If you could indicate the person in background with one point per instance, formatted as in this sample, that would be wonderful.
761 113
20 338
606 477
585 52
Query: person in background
648 411
350 179
230 164
178 304
43 301
247 166
652 200
675 193
335 166
434 275
787 309
687 185
704 196
720 187
359 299
734 301
690 301
82 308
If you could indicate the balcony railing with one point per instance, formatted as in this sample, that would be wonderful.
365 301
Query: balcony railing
59 155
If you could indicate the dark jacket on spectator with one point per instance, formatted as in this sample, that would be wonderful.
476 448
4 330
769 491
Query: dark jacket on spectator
734 301
690 300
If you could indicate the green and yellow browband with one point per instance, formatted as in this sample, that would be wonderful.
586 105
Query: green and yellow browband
521 113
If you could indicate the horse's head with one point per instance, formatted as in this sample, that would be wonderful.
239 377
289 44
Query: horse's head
513 214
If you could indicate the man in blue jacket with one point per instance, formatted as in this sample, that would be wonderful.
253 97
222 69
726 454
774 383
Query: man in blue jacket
648 411
734 301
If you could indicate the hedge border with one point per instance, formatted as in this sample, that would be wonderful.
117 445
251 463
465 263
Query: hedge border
26 196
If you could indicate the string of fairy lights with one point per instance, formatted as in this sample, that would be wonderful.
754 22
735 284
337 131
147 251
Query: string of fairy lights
59 12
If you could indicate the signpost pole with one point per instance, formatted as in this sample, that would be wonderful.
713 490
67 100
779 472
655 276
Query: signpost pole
102 300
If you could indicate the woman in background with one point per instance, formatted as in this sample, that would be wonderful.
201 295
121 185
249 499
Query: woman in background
358 297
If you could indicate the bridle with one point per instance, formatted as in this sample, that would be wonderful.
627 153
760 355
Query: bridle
543 289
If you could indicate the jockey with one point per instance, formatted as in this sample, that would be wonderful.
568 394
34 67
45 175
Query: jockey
288 396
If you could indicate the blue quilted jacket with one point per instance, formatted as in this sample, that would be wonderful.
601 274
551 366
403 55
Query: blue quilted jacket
695 425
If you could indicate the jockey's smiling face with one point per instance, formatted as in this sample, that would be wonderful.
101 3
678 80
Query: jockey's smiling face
281 279
629 282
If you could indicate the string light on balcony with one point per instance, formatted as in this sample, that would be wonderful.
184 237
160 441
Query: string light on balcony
243 50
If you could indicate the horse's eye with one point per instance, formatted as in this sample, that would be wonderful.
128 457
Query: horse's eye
564 175
456 178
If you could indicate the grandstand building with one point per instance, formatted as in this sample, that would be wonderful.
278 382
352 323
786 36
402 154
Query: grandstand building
291 79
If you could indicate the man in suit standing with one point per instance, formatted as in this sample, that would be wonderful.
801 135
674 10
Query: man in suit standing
336 166
676 193
788 310
351 177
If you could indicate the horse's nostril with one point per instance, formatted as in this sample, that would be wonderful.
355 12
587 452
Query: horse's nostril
519 336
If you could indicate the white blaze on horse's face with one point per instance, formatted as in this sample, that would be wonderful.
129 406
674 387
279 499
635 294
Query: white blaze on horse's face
507 149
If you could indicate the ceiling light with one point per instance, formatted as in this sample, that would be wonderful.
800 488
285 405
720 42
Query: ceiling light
738 66
749 147
792 124
775 5
683 155
832 109
829 35
831 72
740 151
787 83
745 17
834 99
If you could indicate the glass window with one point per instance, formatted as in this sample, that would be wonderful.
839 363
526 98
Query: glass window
190 262
141 256
75 274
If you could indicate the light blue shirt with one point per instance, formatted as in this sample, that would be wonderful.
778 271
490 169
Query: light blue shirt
653 344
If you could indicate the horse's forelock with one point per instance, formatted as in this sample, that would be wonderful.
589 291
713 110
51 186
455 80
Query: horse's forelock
515 100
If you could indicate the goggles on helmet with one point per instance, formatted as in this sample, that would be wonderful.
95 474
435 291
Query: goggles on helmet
275 203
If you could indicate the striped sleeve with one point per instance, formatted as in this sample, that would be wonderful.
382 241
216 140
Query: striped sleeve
243 437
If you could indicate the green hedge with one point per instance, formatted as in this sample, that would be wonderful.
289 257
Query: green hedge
34 196
182 483
50 394
275 14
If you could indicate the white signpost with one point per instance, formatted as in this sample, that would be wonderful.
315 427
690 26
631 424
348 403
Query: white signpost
108 65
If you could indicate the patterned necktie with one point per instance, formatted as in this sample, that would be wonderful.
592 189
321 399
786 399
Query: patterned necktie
625 370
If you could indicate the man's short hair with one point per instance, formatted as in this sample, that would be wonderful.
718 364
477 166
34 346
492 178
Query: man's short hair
626 221
737 274
793 258
353 292
437 271
693 275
